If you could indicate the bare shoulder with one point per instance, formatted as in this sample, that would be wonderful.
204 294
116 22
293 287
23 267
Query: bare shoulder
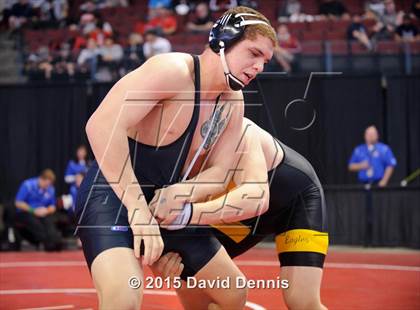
249 125
170 62
163 71
236 96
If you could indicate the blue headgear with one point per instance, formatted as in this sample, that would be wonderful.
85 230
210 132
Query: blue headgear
226 31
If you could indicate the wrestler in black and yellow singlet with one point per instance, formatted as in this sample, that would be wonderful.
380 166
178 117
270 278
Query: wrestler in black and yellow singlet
296 216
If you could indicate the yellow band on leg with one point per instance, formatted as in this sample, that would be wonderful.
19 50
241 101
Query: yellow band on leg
302 240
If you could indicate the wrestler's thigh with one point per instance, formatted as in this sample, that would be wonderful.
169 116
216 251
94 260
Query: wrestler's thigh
111 271
304 287
221 267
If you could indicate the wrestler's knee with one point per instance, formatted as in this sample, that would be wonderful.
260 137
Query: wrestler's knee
235 298
115 297
303 302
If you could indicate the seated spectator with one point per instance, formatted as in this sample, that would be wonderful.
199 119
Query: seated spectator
202 20
222 5
182 8
93 26
133 53
87 23
164 20
35 206
374 9
155 44
75 188
92 6
155 5
415 9
373 161
5 12
101 30
249 3
388 22
88 58
31 68
78 165
116 3
64 63
20 14
39 65
288 9
60 10
88 7
50 13
76 40
333 9
407 31
288 47
110 57
358 32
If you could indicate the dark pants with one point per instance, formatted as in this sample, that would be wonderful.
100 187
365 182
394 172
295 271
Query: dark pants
40 229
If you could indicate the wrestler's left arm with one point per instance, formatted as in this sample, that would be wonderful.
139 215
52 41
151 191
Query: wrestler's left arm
251 195
220 166
222 160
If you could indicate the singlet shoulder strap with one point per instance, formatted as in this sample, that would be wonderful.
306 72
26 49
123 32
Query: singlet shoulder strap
197 81
194 121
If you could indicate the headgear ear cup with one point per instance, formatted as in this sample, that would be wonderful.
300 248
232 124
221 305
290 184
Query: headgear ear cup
227 30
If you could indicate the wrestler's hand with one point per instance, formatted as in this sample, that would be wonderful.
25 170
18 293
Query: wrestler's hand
167 204
168 266
146 229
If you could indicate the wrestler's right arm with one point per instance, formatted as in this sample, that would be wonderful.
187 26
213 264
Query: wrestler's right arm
107 133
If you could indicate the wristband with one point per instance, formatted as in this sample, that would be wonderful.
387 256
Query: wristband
183 219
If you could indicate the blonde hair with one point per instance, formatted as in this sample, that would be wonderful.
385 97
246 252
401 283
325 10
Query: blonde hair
251 31
48 174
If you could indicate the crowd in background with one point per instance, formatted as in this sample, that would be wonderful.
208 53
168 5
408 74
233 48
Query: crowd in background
96 51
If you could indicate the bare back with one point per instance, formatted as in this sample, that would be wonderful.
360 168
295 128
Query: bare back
259 153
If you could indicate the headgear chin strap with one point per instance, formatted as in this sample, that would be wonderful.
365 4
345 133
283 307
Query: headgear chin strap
232 81
227 30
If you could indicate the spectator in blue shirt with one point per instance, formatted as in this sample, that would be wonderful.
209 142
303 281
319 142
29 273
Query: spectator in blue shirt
79 165
75 187
373 160
35 204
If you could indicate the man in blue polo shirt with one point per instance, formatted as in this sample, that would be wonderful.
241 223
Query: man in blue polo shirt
35 205
373 160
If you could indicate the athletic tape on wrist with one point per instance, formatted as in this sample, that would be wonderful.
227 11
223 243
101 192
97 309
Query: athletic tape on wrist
183 219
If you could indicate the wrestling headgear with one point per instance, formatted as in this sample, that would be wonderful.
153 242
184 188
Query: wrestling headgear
226 31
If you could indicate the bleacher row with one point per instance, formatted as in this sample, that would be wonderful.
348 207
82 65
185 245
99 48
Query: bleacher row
312 36
318 38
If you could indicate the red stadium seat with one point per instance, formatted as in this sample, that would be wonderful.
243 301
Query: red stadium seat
296 27
312 36
414 47
310 7
312 48
339 47
341 25
336 35
319 26
358 49
388 47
